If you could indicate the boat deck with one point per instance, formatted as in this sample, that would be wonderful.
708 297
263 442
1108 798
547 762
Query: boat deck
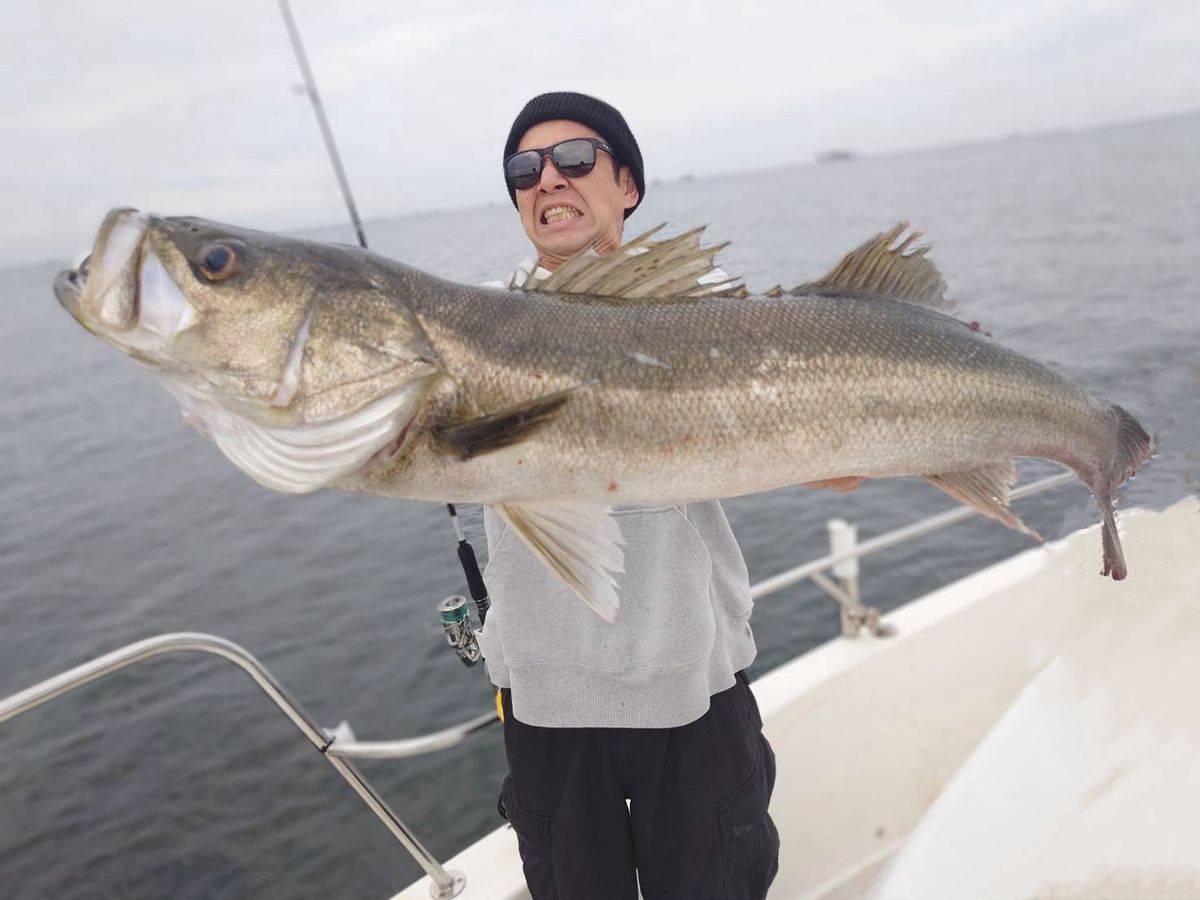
868 733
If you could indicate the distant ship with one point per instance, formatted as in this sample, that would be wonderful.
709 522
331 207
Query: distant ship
826 156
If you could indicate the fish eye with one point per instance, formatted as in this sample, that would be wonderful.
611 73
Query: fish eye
220 260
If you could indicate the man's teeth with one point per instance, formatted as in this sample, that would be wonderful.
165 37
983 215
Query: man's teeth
560 214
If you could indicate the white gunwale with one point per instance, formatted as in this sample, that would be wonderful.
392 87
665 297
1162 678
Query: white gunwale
867 732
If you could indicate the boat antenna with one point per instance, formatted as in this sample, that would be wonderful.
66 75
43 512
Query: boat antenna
466 554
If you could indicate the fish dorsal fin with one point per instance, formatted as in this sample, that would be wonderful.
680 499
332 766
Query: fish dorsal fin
579 541
642 269
896 272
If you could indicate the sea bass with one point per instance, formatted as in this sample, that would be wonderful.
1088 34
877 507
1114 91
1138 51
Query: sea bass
617 380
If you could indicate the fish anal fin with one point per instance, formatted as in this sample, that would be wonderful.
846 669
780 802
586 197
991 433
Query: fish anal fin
579 541
885 268
503 428
985 489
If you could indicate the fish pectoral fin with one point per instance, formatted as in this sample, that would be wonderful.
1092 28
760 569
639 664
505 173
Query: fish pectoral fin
877 267
579 541
500 429
985 490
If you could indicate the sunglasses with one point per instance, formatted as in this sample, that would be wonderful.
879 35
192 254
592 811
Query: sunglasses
574 159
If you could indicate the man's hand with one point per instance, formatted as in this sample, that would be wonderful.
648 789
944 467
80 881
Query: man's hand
838 484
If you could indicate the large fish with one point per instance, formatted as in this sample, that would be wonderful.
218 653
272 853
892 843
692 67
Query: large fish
619 380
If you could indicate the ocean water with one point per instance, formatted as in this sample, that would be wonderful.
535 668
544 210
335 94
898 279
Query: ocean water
178 779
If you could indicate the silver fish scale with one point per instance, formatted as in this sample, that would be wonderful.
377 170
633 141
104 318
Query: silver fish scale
687 400
317 366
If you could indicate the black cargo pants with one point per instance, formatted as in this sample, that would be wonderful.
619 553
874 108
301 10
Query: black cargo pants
696 827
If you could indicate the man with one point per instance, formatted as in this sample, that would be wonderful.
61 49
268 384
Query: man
654 709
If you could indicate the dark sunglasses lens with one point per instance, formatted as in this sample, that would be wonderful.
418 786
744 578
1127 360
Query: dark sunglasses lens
524 169
574 158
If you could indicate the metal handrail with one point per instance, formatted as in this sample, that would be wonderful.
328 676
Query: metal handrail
444 884
894 537
416 746
338 750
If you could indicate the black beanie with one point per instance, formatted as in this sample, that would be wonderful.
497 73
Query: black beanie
596 115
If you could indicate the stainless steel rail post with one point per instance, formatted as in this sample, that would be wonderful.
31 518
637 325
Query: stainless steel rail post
445 884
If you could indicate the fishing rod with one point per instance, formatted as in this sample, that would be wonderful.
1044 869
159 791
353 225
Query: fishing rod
455 614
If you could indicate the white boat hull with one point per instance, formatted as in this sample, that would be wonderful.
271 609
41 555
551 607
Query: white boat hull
868 733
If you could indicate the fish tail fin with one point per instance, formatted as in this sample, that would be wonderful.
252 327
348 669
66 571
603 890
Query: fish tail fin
1110 540
1132 446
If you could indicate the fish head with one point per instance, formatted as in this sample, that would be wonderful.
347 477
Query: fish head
289 354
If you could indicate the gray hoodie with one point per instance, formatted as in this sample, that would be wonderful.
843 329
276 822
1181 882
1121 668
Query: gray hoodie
682 631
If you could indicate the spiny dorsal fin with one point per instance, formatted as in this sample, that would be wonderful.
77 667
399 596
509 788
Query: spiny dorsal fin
877 267
643 269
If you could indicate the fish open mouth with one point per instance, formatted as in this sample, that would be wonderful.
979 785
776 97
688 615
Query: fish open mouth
69 285
121 291
102 291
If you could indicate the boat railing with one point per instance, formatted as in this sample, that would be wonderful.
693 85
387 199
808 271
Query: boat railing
339 745
444 883
845 552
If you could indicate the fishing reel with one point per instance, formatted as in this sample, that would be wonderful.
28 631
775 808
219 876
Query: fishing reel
460 632
454 611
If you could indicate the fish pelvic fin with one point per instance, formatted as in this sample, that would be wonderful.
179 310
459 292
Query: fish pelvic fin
579 541
986 490
500 429
643 269
881 266
1132 446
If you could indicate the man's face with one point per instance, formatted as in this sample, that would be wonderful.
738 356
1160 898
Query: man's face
563 215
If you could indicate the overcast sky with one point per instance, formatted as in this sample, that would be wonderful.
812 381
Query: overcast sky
191 108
